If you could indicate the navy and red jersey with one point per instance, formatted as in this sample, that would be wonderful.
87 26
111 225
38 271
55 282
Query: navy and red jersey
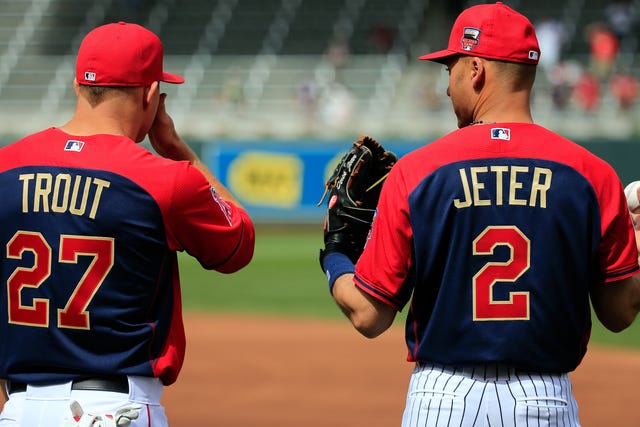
495 233
90 227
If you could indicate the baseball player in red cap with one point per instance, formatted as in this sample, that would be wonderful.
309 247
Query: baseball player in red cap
90 313
497 236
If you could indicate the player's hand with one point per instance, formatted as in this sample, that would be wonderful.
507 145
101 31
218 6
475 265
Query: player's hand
353 190
632 192
164 138
167 143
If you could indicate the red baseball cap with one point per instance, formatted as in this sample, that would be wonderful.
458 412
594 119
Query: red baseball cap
121 54
492 31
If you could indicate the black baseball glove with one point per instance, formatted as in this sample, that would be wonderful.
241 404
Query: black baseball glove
353 190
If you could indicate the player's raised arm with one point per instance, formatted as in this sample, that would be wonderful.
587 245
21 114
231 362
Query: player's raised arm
352 195
167 143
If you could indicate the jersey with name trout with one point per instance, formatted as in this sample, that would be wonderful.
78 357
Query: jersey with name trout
495 233
90 227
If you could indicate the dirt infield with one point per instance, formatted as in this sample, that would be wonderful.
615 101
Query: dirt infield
269 372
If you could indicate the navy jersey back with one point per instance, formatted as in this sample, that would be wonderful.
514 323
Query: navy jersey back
496 238
91 229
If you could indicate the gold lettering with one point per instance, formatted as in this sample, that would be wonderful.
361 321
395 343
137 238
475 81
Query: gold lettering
25 178
514 185
100 184
540 188
477 186
516 178
42 191
61 193
499 170
74 195
61 180
465 188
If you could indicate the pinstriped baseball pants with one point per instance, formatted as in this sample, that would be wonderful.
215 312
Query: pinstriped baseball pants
489 396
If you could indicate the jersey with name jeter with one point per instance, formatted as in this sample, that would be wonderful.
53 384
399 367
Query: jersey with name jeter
90 227
495 233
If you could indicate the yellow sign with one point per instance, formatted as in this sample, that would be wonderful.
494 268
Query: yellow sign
267 179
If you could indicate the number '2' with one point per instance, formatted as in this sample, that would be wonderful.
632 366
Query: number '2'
485 307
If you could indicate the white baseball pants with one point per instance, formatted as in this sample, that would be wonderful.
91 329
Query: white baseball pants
49 406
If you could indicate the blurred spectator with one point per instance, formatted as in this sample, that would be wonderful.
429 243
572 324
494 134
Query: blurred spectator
587 92
604 46
561 80
550 33
382 37
621 17
338 50
338 54
336 106
231 96
307 96
432 88
625 87
429 97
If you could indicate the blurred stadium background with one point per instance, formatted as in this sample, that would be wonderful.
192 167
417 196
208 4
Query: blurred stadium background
265 73
291 68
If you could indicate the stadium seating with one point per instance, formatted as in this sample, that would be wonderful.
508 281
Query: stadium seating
275 68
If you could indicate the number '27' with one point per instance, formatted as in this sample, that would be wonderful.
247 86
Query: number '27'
485 307
74 315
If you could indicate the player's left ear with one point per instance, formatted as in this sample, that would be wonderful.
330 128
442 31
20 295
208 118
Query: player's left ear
478 70
76 87
151 93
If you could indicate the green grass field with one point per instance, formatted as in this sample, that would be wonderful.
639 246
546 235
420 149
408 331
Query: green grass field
284 279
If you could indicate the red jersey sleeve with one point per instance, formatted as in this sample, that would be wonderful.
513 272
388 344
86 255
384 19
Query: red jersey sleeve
217 233
617 253
386 261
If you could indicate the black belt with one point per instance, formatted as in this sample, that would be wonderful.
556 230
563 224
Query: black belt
119 384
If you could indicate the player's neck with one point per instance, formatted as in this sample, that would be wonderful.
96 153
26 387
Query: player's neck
83 129
501 113
503 118
495 105
103 122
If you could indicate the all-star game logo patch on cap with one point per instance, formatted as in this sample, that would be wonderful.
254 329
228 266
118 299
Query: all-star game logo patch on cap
492 31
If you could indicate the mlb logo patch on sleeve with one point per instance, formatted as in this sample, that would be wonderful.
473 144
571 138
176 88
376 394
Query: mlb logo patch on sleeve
501 133
73 145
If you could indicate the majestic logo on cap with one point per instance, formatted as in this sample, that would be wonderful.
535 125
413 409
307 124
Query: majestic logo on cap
470 38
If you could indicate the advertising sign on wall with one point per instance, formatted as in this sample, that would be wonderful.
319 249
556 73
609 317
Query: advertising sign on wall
277 181
281 181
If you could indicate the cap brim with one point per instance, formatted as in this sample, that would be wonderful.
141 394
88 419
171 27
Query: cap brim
172 78
440 56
